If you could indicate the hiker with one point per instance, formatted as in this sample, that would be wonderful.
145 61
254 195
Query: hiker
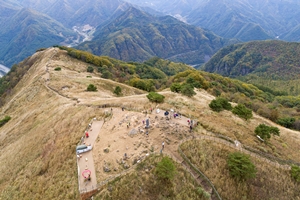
189 121
89 178
86 134
163 145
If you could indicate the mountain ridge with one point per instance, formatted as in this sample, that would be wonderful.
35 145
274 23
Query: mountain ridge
36 29
132 36
51 109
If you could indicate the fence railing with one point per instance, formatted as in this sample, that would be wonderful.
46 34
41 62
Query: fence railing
260 153
199 172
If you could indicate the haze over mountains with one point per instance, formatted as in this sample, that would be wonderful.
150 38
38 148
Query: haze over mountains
242 19
29 25
137 36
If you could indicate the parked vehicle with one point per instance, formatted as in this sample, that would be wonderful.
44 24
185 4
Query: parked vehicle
83 148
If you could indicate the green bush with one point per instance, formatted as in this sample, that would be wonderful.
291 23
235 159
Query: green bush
265 131
118 90
240 166
155 97
106 74
4 120
90 69
165 169
57 68
286 122
295 173
220 104
91 88
216 106
203 193
193 82
243 112
187 90
176 87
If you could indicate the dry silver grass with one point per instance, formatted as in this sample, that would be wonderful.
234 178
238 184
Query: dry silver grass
270 182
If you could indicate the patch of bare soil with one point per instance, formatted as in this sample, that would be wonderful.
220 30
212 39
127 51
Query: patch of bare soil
125 133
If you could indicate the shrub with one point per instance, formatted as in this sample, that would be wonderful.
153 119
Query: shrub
295 173
57 68
118 90
220 104
155 97
240 166
203 193
265 131
91 88
242 111
106 74
191 81
4 120
176 87
286 122
165 169
90 69
187 90
216 106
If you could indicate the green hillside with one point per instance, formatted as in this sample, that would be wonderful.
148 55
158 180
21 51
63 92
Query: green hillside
138 36
158 74
269 63
33 30
50 109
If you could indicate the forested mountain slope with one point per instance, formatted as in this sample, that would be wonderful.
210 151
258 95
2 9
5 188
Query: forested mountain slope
242 19
138 36
270 63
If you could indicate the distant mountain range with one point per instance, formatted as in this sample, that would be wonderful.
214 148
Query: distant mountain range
33 30
137 36
242 19
79 12
27 25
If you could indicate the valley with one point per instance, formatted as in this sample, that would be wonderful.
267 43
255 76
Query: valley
3 70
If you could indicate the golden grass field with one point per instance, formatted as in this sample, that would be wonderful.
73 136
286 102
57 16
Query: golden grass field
37 146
